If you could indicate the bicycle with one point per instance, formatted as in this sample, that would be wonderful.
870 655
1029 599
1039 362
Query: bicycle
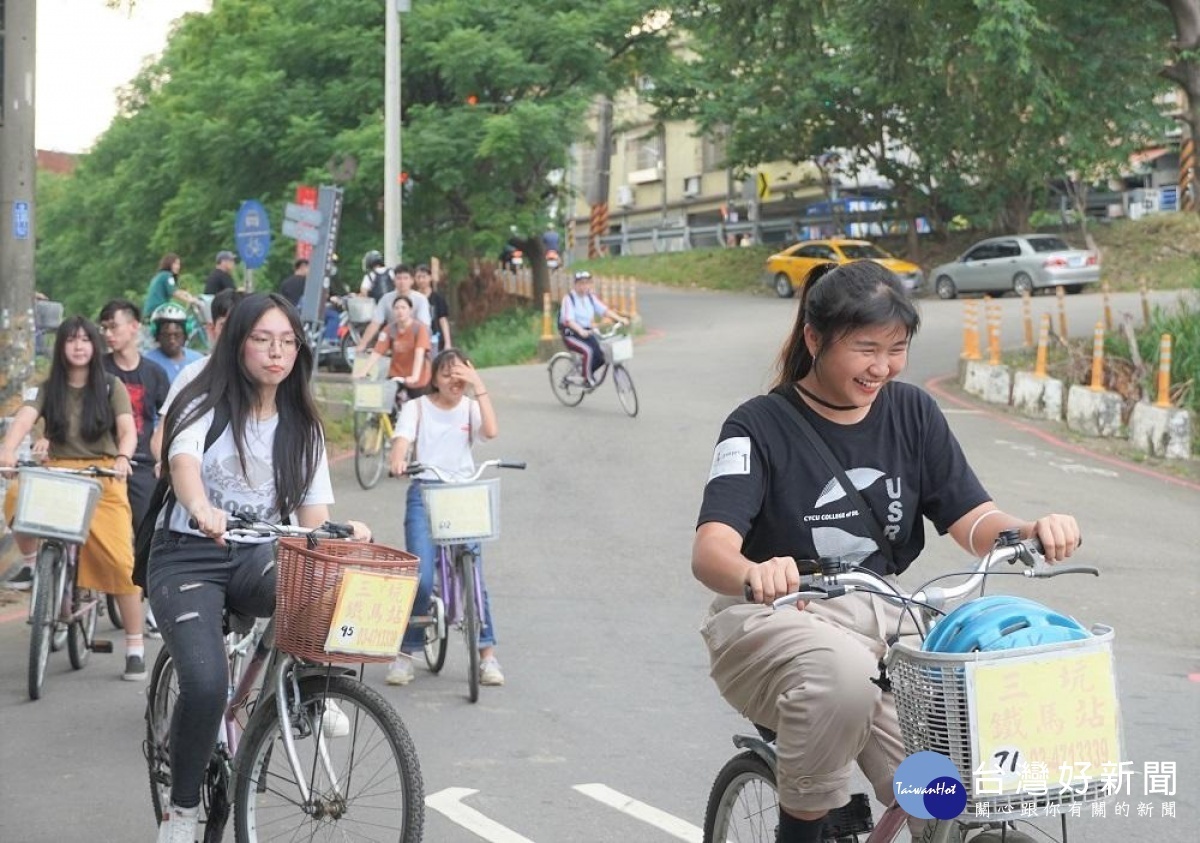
288 757
570 386
933 692
196 328
462 513
376 407
56 504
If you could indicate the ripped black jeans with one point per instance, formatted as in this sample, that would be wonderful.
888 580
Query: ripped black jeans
189 583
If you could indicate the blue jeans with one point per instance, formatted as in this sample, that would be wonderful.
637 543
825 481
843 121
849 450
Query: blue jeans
419 541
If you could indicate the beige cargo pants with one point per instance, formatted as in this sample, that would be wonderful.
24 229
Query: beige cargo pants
806 674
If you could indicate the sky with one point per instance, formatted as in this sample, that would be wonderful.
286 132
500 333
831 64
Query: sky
85 52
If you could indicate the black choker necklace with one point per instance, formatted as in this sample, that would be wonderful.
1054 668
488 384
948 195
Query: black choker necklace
822 401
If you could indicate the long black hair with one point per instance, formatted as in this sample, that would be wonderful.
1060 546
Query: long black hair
299 438
838 299
96 417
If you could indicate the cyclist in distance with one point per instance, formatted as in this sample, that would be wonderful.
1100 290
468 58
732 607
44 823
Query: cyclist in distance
441 428
409 344
377 280
164 286
170 332
771 499
267 463
88 419
581 307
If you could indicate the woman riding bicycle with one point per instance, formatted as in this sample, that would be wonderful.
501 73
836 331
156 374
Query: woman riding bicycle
442 426
771 499
409 343
268 462
580 309
88 419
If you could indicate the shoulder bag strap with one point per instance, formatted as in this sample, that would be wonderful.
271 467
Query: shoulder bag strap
785 402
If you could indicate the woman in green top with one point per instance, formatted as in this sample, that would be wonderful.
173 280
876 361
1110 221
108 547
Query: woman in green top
164 286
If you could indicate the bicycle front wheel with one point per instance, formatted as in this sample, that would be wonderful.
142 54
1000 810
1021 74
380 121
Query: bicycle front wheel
623 381
161 697
436 636
357 760
45 611
83 630
470 606
743 804
369 451
566 379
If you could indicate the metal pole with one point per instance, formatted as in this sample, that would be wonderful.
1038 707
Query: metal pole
18 165
393 230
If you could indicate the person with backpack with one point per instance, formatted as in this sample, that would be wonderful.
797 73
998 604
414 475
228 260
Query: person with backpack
88 420
377 280
576 323
410 346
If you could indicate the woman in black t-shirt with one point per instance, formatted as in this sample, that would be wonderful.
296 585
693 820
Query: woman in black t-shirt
770 500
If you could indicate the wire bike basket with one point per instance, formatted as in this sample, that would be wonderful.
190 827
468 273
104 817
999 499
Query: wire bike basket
360 309
462 512
308 592
375 396
1030 728
54 505
617 349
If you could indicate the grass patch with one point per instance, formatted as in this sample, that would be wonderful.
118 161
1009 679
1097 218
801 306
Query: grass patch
712 269
504 339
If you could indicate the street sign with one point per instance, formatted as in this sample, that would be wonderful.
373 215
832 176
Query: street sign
764 186
321 267
301 232
301 214
252 234
21 220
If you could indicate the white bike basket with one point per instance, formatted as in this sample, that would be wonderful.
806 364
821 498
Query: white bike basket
54 505
1012 720
375 396
461 512
617 349
360 309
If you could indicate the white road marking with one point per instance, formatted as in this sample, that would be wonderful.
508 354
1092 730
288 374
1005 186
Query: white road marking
448 802
672 825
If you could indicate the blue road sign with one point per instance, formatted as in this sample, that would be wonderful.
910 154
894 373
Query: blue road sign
21 220
252 234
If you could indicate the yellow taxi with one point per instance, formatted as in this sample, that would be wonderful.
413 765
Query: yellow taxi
789 269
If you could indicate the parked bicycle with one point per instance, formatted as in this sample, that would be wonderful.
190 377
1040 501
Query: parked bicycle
935 698
376 407
567 378
463 512
56 505
313 751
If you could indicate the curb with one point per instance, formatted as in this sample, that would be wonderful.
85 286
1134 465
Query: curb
934 386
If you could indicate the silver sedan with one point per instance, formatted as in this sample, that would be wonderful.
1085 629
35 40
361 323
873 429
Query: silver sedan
1020 263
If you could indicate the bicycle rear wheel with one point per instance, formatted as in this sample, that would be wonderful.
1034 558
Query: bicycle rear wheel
82 631
360 767
369 451
114 612
566 378
623 381
47 576
743 804
470 609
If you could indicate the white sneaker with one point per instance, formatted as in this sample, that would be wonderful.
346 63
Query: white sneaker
179 825
401 671
490 673
335 723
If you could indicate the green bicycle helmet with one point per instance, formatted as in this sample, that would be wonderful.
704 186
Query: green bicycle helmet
1001 622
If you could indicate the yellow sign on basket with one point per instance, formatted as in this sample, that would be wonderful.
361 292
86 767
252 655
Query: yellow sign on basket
1044 722
371 613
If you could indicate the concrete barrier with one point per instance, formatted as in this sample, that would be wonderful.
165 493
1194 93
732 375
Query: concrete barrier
1038 398
992 383
1161 431
1094 413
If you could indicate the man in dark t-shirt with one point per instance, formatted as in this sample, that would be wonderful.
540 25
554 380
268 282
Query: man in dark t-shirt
221 278
292 287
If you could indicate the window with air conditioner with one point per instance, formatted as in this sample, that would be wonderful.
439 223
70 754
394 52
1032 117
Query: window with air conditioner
691 187
625 196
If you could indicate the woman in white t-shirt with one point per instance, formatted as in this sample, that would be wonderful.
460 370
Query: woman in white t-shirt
442 426
268 462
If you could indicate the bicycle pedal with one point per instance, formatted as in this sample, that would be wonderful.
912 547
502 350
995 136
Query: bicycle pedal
100 645
841 824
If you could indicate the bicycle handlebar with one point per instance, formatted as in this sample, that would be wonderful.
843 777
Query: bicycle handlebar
90 471
416 468
825 579
238 526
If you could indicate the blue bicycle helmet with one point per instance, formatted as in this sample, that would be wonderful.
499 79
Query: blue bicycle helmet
1001 622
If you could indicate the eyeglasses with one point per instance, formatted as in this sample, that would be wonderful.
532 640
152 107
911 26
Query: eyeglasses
288 343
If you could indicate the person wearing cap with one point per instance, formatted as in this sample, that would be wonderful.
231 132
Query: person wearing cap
576 322
221 278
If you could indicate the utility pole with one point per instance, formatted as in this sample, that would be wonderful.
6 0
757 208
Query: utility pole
18 163
393 229
599 220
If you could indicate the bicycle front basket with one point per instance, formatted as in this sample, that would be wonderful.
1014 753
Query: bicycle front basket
460 512
360 309
54 505
375 396
618 349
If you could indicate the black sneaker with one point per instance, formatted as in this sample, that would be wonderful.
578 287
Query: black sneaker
135 669
22 579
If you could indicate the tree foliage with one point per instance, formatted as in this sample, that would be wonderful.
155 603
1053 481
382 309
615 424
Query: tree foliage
258 97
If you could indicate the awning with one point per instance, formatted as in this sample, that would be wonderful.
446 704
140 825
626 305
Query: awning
1145 157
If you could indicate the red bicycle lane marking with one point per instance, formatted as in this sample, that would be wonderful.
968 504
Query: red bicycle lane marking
933 385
